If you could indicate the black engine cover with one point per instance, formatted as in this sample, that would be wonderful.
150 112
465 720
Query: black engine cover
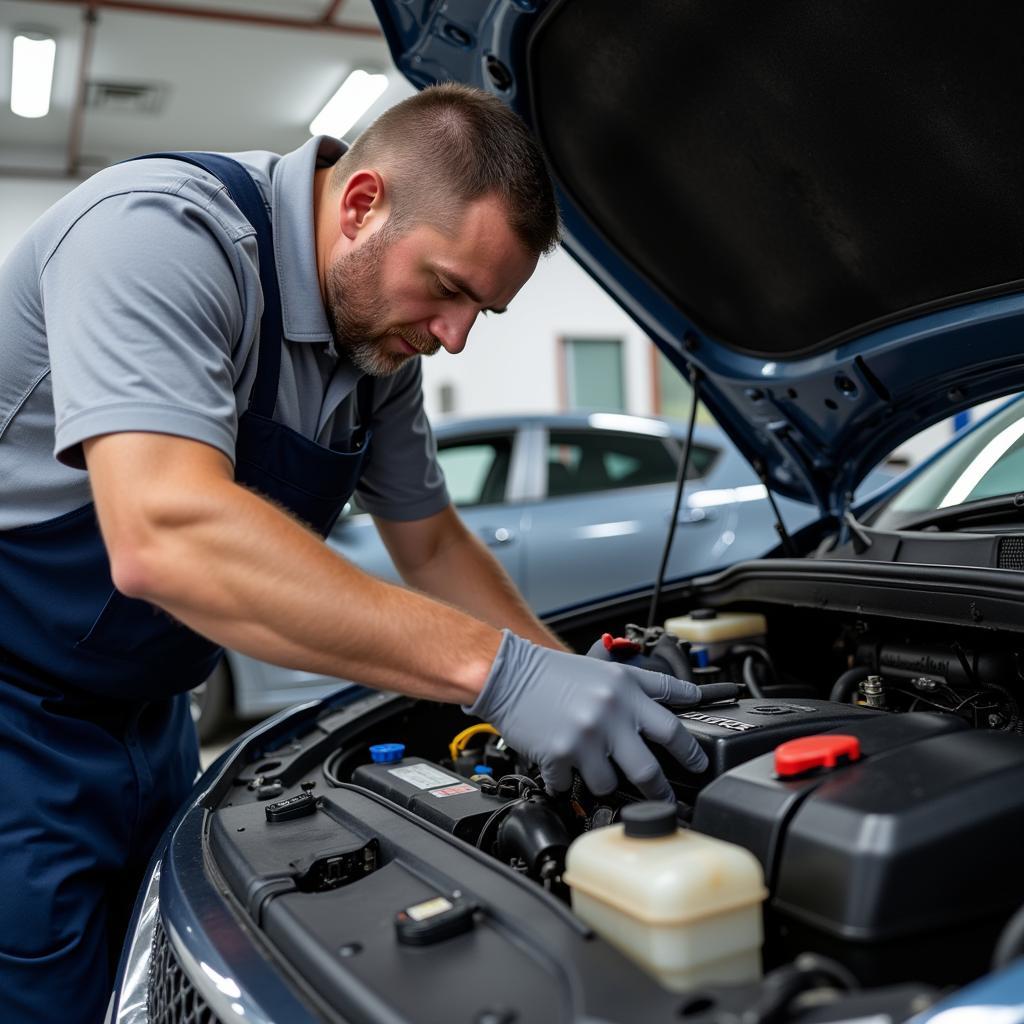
913 847
733 733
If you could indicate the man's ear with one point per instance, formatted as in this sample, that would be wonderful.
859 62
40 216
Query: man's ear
362 200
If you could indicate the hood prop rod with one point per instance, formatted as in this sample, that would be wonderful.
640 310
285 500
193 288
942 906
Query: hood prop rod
780 525
684 463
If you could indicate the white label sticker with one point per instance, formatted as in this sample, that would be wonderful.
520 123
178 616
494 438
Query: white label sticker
462 787
422 776
431 908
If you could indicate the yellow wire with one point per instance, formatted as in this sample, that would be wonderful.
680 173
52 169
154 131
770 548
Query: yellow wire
458 744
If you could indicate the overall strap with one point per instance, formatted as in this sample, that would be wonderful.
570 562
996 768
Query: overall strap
247 197
364 406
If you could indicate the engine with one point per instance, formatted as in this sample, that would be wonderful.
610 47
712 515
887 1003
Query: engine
895 855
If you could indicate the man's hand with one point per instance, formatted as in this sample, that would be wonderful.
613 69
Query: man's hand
565 711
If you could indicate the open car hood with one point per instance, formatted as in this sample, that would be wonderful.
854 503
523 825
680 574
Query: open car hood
815 210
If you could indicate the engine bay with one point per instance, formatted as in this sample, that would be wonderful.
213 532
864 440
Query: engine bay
889 860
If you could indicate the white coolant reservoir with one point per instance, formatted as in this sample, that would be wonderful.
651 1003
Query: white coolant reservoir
685 906
708 626
715 631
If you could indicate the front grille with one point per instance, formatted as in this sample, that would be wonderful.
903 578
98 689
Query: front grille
1011 553
172 998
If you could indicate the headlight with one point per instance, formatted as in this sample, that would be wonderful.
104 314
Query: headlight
131 1006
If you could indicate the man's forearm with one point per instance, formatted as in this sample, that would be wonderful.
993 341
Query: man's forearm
463 572
235 568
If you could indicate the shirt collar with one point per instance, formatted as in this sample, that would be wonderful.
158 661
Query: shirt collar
302 306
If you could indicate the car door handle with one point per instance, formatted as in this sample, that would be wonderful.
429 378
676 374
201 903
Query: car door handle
496 536
687 516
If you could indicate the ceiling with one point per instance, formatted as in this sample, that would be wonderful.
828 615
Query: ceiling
225 75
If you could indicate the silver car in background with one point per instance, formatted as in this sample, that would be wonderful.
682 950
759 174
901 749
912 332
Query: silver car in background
572 505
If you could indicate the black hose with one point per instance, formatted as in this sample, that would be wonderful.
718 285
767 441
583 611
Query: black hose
782 986
1011 942
846 685
330 768
678 660
757 649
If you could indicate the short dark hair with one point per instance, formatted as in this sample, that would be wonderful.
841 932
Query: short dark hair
449 145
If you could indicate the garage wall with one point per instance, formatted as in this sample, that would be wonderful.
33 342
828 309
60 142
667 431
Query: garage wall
22 200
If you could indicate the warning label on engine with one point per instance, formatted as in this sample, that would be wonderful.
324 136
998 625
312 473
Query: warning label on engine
463 787
422 776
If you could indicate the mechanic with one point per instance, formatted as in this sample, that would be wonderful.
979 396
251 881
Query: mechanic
180 426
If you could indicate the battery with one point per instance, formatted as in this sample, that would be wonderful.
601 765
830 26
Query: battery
431 792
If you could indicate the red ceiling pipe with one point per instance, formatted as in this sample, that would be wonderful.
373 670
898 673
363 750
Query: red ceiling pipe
332 10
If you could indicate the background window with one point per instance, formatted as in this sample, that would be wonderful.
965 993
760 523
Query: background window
593 373
580 462
476 471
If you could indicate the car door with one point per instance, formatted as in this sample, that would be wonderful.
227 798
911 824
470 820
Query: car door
477 469
602 525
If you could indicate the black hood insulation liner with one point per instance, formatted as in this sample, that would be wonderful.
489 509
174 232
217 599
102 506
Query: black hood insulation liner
788 173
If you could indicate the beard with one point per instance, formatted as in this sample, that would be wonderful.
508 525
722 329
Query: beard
359 316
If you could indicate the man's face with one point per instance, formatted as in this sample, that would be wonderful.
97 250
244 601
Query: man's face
390 299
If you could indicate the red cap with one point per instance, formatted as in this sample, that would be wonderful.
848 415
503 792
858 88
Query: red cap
795 757
619 643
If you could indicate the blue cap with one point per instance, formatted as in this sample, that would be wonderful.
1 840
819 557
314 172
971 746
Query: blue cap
387 753
483 769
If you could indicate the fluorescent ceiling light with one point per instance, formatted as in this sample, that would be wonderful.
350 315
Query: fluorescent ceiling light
357 94
32 75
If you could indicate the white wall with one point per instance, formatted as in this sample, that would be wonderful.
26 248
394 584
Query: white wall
22 200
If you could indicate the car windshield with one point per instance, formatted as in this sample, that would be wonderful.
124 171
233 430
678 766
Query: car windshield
987 463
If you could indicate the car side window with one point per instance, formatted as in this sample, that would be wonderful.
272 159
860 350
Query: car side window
476 470
581 462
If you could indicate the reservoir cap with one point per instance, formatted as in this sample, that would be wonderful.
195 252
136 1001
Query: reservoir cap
703 614
812 753
650 819
387 753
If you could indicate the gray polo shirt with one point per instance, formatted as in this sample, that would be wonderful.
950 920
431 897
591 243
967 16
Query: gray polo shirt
134 304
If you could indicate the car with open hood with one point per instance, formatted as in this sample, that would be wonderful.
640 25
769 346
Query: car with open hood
815 211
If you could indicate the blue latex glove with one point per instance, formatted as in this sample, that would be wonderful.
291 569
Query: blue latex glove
566 711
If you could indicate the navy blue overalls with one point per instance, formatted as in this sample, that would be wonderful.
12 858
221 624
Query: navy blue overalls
97 748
